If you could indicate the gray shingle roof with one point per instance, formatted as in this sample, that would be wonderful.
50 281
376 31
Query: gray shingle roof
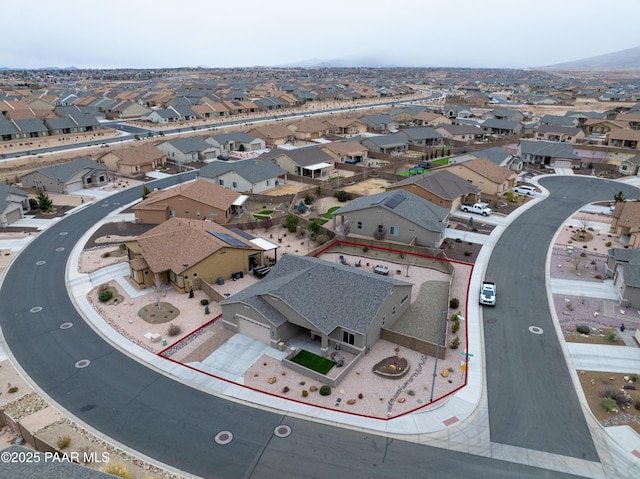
420 133
328 294
65 171
188 145
410 207
253 170
443 184
495 154
553 149
302 156
5 191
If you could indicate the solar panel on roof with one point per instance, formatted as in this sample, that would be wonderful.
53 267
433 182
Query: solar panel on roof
230 240
395 200
236 103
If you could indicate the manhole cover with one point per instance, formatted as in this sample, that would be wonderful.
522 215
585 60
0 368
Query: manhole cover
66 325
83 363
282 430
59 249
36 309
40 263
224 437
535 330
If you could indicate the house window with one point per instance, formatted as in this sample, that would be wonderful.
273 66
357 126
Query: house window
404 299
359 225
393 230
268 182
101 179
172 213
197 214
348 337
88 181
624 167
176 279
195 278
221 182
235 184
186 212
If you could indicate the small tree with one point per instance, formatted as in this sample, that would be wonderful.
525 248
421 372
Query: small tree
145 192
618 197
314 228
267 224
241 147
292 223
44 202
342 196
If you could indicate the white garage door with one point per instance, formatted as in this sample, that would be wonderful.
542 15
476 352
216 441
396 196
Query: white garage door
562 164
74 186
254 329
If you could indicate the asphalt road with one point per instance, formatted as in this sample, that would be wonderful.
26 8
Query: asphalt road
532 401
176 425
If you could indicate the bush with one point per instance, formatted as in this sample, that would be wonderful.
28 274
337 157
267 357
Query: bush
13 389
116 469
308 200
204 302
455 343
454 303
620 398
468 253
607 244
106 254
365 249
105 295
322 239
342 196
612 336
305 393
174 330
456 326
63 442
608 404
291 223
325 390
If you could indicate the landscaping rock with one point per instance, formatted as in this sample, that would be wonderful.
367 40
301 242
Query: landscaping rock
583 329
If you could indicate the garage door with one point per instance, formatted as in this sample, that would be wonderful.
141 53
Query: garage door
74 186
254 329
13 216
562 164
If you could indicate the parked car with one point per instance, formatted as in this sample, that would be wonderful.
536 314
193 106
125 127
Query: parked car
424 166
525 190
478 208
223 157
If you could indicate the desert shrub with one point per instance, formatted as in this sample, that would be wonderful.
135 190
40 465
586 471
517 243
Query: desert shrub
106 254
174 330
455 343
360 396
607 244
13 389
468 253
342 196
105 296
305 393
123 246
291 223
365 249
454 303
63 442
313 388
620 398
322 239
608 404
308 200
285 390
456 326
612 336
117 469
458 240
325 390
204 302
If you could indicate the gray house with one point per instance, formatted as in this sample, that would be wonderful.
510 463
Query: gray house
379 123
246 176
13 204
397 216
237 141
389 144
422 136
186 150
67 177
332 303
623 265
549 153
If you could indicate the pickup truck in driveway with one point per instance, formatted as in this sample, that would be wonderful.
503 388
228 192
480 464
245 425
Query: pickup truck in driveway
488 293
478 208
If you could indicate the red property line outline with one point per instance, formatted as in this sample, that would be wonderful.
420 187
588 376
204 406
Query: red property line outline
322 251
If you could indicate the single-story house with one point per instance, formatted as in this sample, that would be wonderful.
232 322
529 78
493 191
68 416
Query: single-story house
500 157
490 178
624 138
548 153
14 203
247 176
440 187
346 126
184 253
630 166
381 123
397 216
237 141
312 162
273 135
343 151
388 144
340 306
428 118
125 109
565 134
134 161
461 133
625 222
198 200
421 136
496 127
309 129
187 150
67 177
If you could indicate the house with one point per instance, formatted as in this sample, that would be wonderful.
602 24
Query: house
397 216
630 166
273 135
559 120
67 177
596 130
14 203
342 307
564 134
381 123
8 130
441 187
498 156
498 127
625 222
247 176
461 133
125 109
548 153
623 265
428 118
388 144
198 200
185 253
624 138
343 151
346 127
312 162
237 141
187 150
134 161
421 137
505 114
406 114
309 129
492 179
454 112
162 116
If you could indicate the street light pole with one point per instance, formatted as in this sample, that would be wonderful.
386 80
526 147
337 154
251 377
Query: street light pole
435 366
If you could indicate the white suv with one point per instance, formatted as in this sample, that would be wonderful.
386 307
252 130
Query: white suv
525 190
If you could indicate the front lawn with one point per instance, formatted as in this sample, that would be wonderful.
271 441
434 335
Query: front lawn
329 211
313 362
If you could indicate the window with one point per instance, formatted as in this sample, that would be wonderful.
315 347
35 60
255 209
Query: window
172 213
221 182
348 337
404 299
268 182
89 181
186 212
359 225
197 214
235 184
393 230
101 179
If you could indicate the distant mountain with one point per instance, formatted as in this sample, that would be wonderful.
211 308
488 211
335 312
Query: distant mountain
352 62
623 60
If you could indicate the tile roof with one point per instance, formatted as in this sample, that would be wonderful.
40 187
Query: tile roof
202 191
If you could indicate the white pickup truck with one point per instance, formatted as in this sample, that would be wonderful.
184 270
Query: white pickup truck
478 208
488 293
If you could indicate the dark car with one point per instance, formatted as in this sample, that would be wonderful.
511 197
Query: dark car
223 157
424 166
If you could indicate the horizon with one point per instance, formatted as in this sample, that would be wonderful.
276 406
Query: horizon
488 35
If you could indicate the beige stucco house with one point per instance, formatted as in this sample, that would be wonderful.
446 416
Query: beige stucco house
625 222
490 178
134 161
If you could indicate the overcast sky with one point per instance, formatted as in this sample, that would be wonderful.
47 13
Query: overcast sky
239 33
